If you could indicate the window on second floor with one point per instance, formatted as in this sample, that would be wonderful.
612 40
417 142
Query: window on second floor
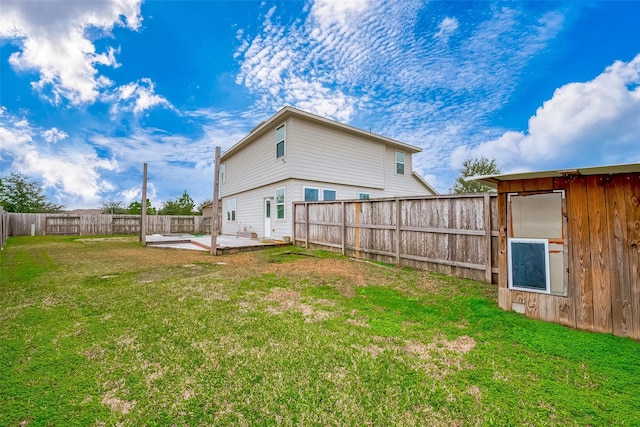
223 173
310 194
280 142
364 196
400 162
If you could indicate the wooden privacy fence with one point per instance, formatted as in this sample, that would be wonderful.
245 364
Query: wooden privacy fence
23 224
454 235
4 227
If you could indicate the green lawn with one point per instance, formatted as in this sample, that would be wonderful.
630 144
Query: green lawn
97 332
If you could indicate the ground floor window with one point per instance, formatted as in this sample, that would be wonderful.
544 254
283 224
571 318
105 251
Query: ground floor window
231 209
329 194
310 194
280 203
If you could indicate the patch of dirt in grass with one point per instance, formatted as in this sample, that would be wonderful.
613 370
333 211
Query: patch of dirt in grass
290 300
439 357
115 403
358 322
345 276
95 352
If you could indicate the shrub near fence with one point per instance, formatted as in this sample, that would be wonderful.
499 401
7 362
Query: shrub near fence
21 224
454 235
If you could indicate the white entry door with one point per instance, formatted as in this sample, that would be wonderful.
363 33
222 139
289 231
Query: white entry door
267 217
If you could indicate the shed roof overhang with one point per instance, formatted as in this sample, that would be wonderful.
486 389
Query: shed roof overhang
287 111
493 180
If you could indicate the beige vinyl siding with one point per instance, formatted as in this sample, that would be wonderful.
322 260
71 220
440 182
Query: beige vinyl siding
321 153
256 164
250 211
401 185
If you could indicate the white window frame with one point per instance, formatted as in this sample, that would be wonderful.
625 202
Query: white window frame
304 193
545 243
329 189
399 162
283 204
283 141
223 173
231 212
364 196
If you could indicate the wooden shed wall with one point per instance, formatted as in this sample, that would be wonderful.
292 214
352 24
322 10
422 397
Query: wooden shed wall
603 232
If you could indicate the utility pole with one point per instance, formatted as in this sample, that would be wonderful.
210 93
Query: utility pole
143 212
216 202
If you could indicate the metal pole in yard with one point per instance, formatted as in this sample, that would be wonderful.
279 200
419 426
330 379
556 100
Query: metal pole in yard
143 211
216 196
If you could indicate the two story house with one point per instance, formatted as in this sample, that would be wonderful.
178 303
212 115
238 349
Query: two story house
299 156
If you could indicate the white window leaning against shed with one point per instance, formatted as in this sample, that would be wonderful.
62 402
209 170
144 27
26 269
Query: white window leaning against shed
231 209
280 203
399 162
280 143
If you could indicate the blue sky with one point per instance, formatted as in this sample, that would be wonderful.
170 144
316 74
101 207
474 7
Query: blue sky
90 90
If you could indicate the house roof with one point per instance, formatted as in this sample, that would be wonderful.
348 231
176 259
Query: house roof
288 111
493 180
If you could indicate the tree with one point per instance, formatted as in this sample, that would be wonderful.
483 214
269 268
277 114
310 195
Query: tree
478 166
135 208
18 194
183 206
113 207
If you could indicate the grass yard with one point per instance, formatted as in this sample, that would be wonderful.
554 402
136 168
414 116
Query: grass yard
102 332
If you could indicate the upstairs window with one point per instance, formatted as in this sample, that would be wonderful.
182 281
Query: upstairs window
223 173
280 148
364 196
399 162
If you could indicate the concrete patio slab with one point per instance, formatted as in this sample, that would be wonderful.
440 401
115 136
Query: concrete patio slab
225 244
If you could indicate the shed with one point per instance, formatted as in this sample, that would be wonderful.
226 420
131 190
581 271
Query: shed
569 246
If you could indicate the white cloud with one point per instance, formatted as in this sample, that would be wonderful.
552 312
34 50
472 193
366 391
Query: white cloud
136 97
71 176
52 38
54 135
367 57
581 119
340 12
446 28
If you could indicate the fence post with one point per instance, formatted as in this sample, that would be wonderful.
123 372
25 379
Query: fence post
487 233
215 203
344 228
398 232
143 210
306 219
293 215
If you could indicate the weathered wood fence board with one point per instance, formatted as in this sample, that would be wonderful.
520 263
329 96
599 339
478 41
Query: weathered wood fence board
4 227
21 224
455 235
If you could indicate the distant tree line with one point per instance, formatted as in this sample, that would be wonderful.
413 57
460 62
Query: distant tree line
184 205
19 194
